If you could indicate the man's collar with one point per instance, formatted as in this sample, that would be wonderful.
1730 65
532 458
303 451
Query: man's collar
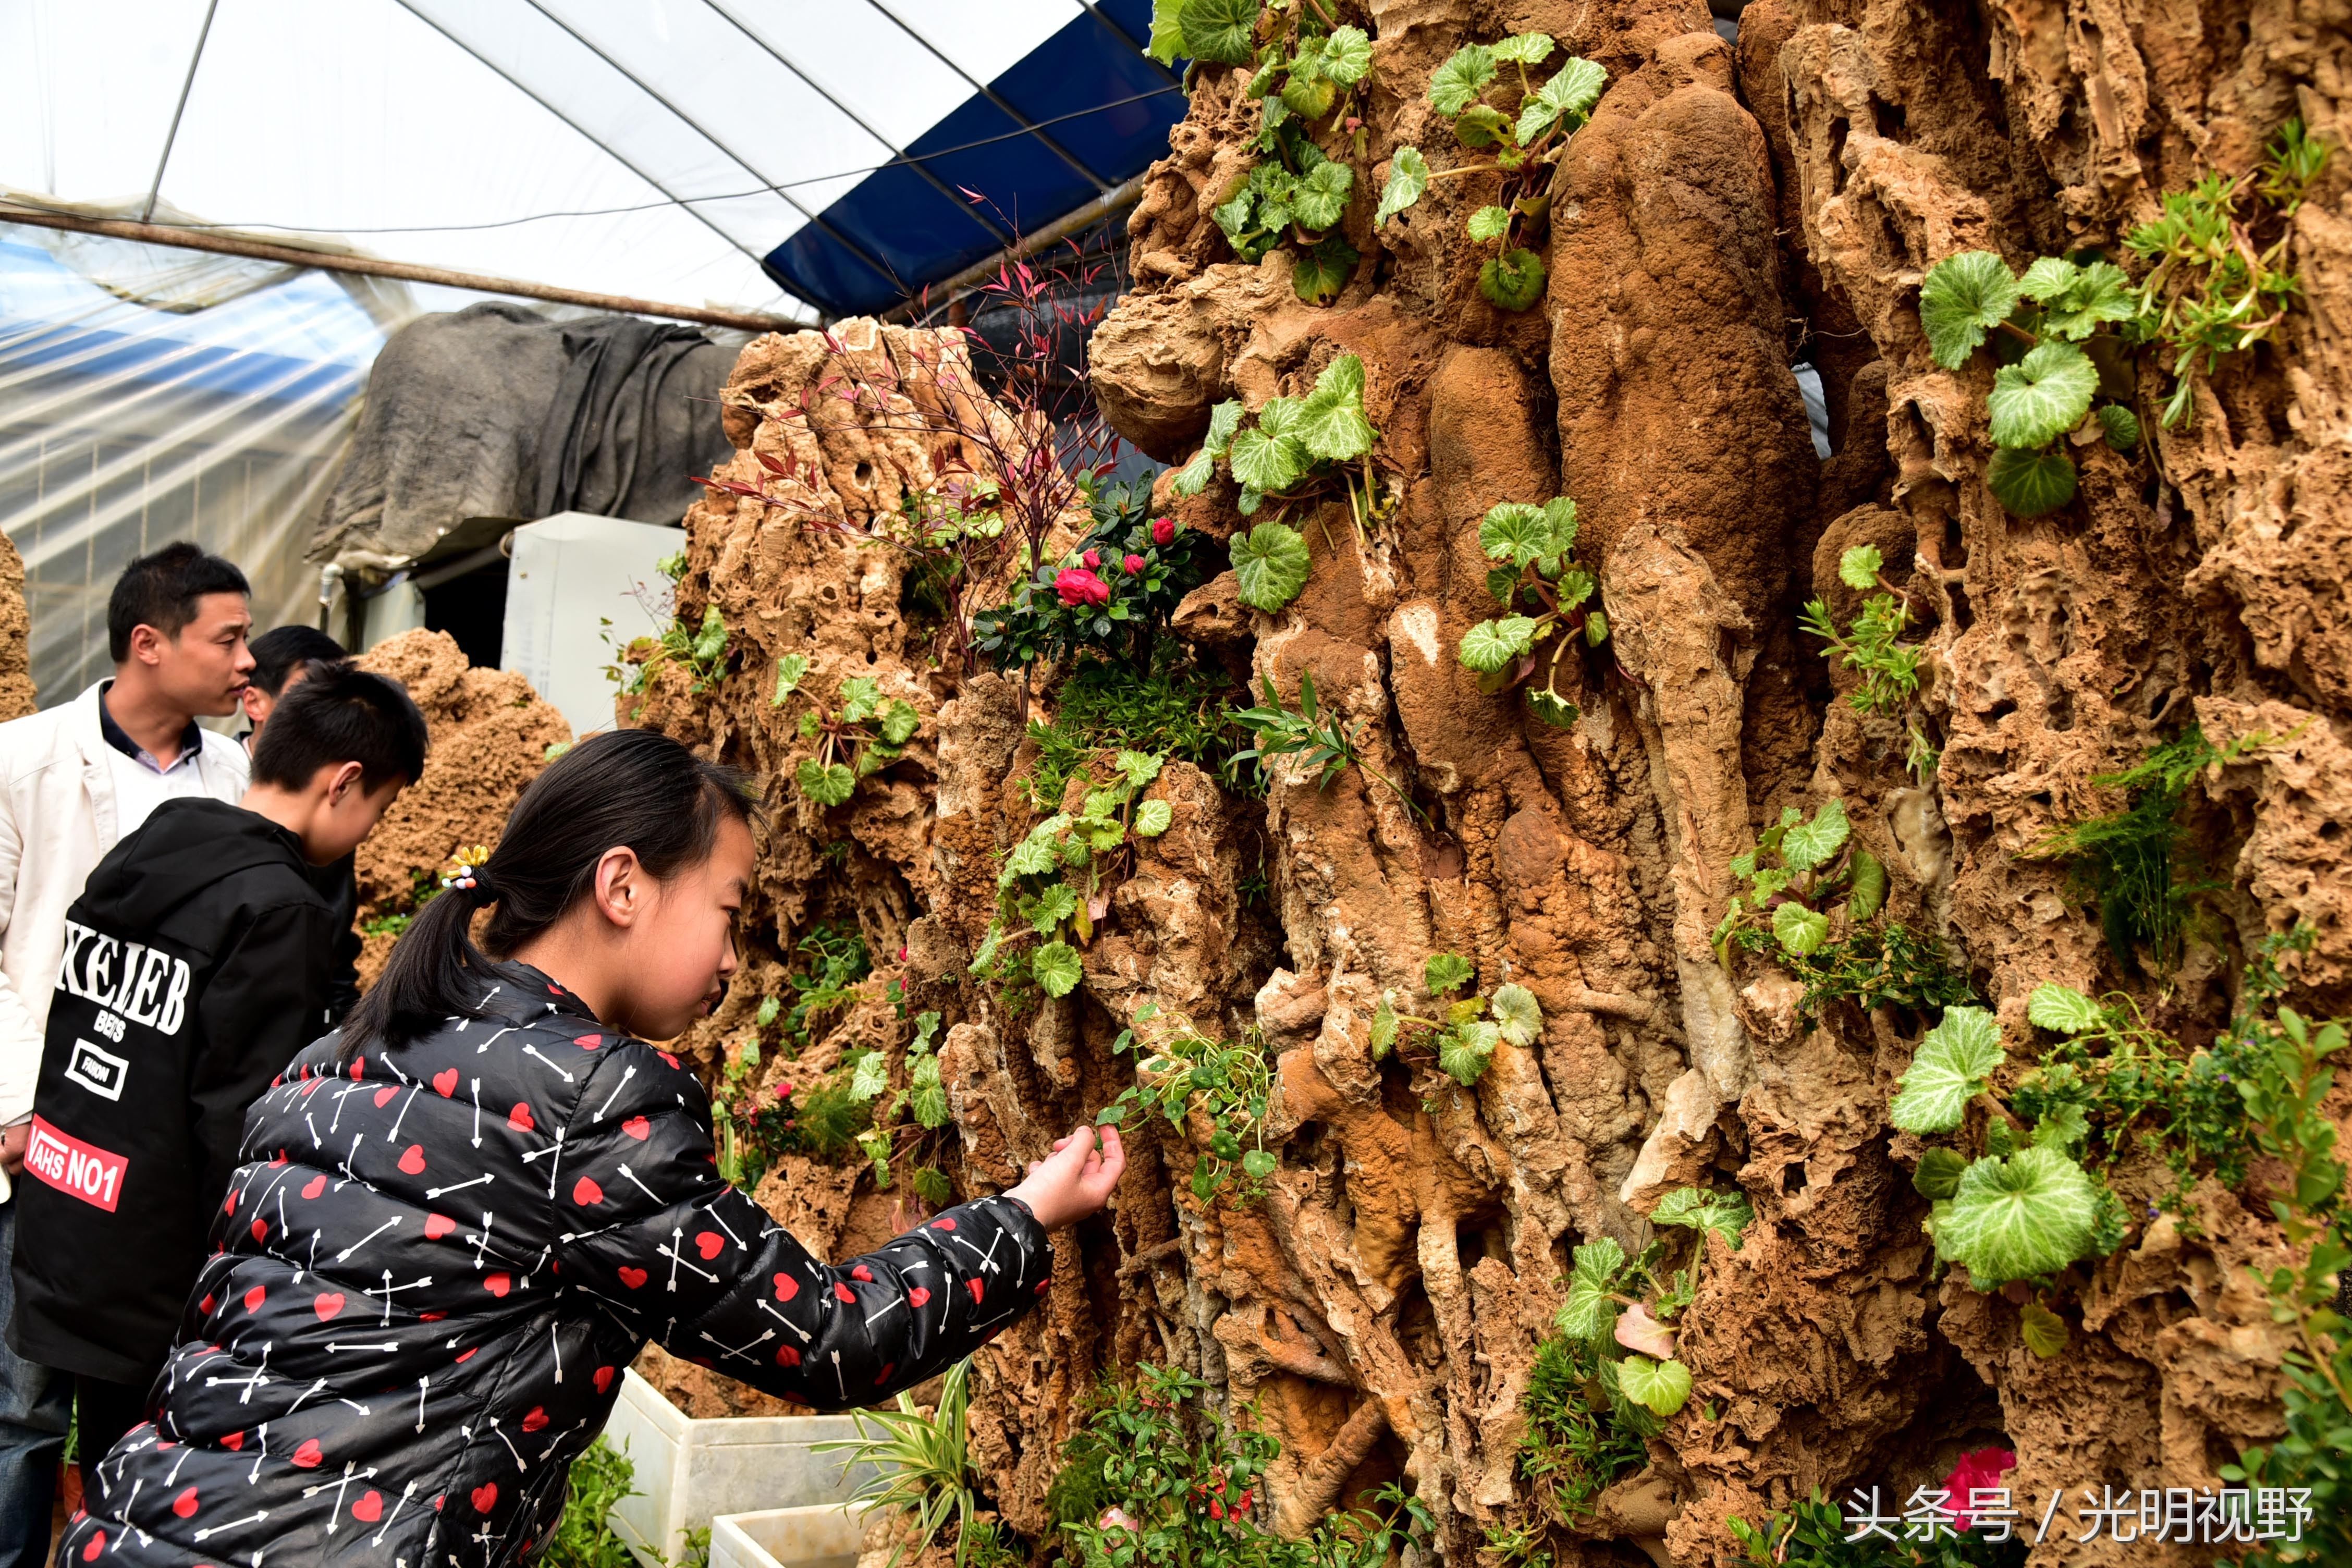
192 738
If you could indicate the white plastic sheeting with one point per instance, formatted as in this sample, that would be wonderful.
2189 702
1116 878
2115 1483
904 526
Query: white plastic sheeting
149 394
715 126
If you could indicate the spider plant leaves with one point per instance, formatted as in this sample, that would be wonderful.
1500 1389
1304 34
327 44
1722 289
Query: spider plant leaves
1218 30
1859 567
1661 1387
1809 845
1963 297
2028 483
1798 930
1950 1067
1270 562
1408 178
1516 1013
826 783
1569 96
1324 270
1726 1214
2033 1211
1489 646
1331 422
1056 968
1513 280
2042 396
1455 85
1445 971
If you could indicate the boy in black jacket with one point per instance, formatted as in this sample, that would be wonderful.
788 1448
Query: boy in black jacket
198 963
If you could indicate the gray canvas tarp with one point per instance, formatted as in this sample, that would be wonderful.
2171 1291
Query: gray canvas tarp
496 411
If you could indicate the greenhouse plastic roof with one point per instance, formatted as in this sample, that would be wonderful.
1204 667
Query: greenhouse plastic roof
787 156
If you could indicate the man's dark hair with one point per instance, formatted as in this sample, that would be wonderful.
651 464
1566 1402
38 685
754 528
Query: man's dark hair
160 590
280 651
342 714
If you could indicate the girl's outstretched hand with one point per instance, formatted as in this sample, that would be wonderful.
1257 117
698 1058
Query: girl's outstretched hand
1076 1179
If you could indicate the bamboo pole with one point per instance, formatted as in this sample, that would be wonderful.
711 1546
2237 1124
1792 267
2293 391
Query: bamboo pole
374 267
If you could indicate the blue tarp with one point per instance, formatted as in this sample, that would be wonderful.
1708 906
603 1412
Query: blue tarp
1089 87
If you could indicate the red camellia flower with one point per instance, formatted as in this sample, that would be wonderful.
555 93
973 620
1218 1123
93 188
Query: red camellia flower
1979 1470
1081 587
1163 530
1132 564
1092 558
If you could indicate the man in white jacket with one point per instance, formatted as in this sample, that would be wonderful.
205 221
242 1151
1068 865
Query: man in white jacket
75 780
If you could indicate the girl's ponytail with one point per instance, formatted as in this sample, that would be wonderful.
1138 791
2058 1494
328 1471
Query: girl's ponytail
635 788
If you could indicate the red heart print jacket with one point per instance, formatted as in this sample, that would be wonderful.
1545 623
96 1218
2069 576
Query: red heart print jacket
432 1267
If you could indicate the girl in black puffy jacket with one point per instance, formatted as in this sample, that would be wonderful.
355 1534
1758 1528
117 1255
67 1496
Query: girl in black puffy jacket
462 1214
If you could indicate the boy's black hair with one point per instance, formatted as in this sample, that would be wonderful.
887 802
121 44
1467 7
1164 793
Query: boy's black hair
637 788
342 714
280 651
160 590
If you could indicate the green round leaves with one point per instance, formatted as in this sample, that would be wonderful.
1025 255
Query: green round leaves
1798 930
1859 567
1491 646
1661 1386
1270 562
1869 887
1152 817
1346 56
2042 396
1516 1013
1056 968
1568 98
1408 178
1218 30
830 784
1446 972
1950 1067
1962 298
1332 424
1466 1051
1513 280
1458 83
2032 1212
2029 483
2063 1009
1489 223
1813 843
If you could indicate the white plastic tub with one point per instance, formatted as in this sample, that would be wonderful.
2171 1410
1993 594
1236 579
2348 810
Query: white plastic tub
690 1472
827 1536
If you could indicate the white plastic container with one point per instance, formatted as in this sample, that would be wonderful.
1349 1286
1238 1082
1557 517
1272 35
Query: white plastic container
827 1536
690 1472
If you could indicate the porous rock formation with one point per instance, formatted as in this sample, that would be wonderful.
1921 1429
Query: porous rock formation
489 732
1731 208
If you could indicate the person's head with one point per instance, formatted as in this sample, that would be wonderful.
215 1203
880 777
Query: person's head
343 743
631 854
282 657
176 627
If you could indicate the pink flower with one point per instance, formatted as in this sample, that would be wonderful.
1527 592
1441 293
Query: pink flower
902 953
1092 558
1132 564
1163 530
1077 587
1979 1470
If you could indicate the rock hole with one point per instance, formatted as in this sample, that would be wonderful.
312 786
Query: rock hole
1999 710
2061 710
1837 157
869 656
2044 797
829 593
864 475
1469 1244
2329 832
1889 117
1963 617
1956 547
1792 1177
